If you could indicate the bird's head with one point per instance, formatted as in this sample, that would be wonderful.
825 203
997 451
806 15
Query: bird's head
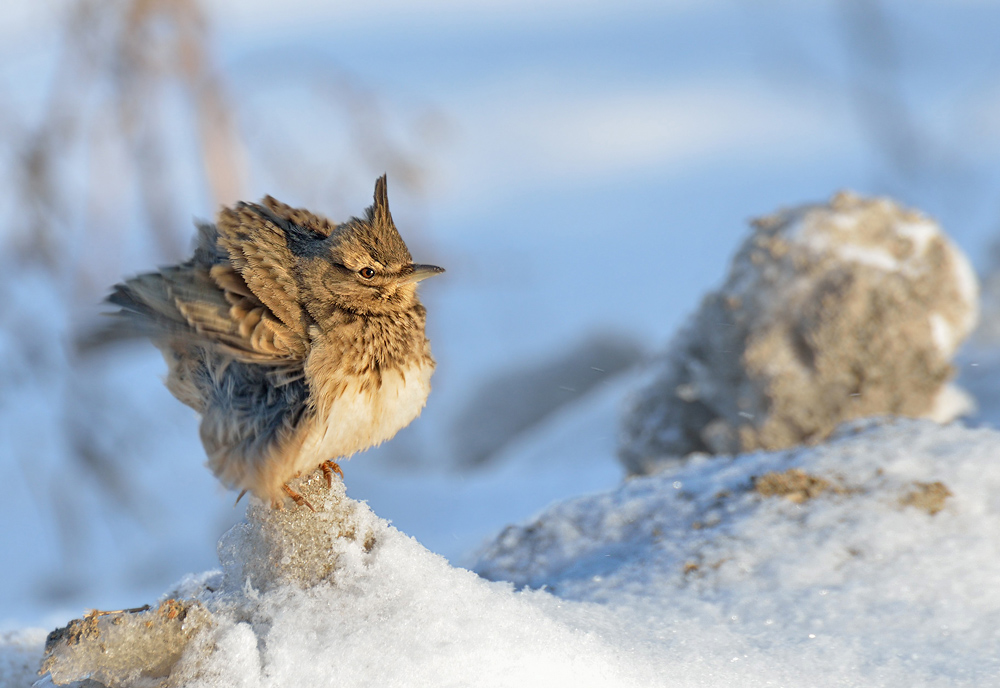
364 266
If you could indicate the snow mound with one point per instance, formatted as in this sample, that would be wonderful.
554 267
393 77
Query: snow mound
339 597
870 558
829 313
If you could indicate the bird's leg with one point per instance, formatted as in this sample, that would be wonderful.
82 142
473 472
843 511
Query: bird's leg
329 468
296 497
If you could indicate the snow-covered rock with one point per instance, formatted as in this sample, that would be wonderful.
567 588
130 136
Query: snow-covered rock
829 313
868 560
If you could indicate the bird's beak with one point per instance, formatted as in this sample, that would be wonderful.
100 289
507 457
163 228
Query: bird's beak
422 272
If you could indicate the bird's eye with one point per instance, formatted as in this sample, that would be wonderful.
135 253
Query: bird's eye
367 273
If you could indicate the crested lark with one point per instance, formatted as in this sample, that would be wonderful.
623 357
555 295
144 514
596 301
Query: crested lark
299 341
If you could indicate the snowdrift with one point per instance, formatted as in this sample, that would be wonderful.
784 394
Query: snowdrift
869 560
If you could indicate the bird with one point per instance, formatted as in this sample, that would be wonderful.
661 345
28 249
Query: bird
298 340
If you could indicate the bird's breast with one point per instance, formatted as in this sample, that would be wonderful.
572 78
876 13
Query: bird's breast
357 412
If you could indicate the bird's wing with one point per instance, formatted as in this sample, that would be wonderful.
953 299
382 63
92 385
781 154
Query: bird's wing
259 254
238 292
212 306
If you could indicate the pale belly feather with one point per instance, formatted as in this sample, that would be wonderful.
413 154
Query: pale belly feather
359 419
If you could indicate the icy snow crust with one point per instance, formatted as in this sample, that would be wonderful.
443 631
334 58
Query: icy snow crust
850 587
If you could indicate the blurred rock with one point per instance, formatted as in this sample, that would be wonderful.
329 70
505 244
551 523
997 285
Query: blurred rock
931 497
829 313
516 400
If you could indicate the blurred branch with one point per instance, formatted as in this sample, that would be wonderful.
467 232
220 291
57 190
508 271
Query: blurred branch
222 151
132 49
370 134
45 211
159 40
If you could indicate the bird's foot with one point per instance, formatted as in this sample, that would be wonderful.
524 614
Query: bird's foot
297 498
329 468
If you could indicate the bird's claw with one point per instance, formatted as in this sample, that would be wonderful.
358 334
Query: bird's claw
297 498
329 468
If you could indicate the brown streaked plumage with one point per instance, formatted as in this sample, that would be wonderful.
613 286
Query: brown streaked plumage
299 341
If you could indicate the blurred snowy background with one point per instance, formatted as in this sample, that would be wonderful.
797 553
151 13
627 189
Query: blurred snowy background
584 171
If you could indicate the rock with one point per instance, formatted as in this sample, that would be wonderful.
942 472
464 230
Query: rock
795 485
829 313
930 497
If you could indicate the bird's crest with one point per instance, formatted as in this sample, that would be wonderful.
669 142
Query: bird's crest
377 234
378 213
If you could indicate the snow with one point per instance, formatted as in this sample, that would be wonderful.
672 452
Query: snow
691 574
848 588
401 615
921 233
340 595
